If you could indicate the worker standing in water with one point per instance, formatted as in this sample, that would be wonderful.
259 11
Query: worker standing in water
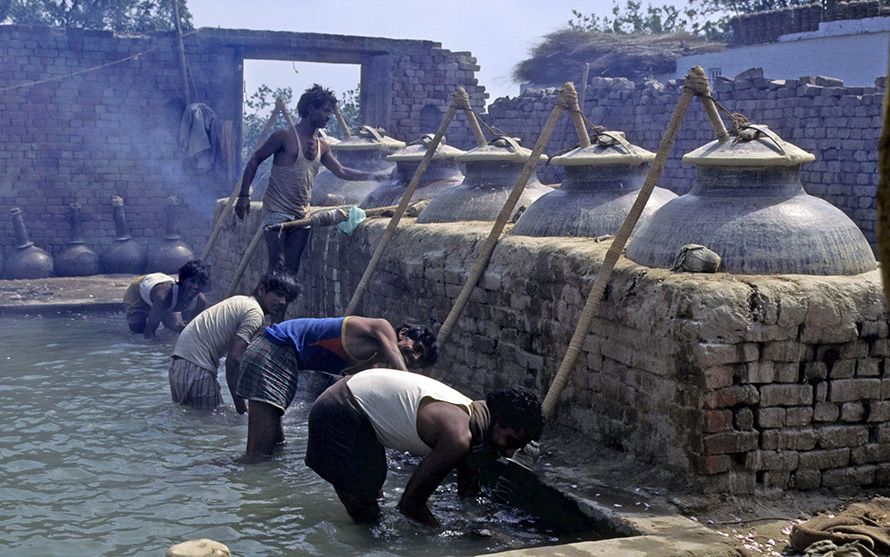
297 153
359 416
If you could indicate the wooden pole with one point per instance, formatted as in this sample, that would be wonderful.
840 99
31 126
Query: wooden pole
567 98
695 82
217 226
883 198
403 204
342 122
182 68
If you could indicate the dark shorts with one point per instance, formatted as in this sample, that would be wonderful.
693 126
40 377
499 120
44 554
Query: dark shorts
269 373
343 448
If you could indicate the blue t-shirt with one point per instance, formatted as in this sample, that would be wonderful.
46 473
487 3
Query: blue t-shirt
318 342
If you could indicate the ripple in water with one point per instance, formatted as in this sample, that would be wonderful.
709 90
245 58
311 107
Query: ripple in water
97 461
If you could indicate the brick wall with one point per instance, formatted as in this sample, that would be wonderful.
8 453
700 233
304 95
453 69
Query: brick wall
740 383
101 117
839 125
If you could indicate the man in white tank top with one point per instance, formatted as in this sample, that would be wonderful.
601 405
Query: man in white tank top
297 152
358 417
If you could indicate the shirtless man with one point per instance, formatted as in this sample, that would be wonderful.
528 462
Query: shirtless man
359 416
297 154
269 368
159 298
224 330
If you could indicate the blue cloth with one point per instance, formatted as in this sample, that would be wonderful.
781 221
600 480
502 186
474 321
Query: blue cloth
318 342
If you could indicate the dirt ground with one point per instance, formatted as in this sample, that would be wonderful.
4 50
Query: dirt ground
760 524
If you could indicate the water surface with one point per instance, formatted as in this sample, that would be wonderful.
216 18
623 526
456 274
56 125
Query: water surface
96 460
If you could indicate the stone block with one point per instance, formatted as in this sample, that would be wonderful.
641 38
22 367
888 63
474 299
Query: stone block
857 475
848 390
799 416
743 419
730 396
834 436
868 367
843 369
795 439
714 464
871 453
786 395
784 351
852 412
826 412
806 480
771 460
718 376
759 372
770 418
714 421
825 459
878 411
729 442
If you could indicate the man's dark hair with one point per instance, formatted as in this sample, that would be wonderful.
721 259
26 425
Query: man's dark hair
196 270
315 97
517 408
281 280
425 336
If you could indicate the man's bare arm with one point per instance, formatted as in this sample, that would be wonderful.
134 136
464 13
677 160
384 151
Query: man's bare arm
445 427
272 145
345 173
367 336
161 296
233 369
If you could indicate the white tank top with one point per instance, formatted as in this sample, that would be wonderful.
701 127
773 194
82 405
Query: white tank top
153 279
290 187
390 399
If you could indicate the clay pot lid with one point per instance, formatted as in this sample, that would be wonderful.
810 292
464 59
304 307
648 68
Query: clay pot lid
501 148
756 146
606 148
415 150
368 138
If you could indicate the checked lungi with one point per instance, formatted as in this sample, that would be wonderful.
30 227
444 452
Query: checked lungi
269 373
193 385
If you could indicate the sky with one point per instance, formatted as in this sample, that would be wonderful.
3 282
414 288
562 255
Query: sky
499 33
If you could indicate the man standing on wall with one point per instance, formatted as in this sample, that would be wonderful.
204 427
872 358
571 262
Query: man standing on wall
359 416
271 364
296 153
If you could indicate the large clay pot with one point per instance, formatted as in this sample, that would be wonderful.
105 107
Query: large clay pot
172 253
124 255
492 171
600 185
749 207
27 261
76 260
366 150
442 173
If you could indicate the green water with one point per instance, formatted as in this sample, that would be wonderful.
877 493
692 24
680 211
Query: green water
96 460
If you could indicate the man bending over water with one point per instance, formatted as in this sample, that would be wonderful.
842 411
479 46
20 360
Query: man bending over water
159 298
358 417
225 329
269 369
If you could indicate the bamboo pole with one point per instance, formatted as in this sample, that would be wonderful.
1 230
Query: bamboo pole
299 223
182 68
883 197
403 203
696 84
217 226
567 98
341 121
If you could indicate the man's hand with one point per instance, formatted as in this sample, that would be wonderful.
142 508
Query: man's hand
242 206
420 513
240 405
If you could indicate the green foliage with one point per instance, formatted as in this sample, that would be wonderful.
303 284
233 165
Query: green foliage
349 108
257 111
704 18
115 15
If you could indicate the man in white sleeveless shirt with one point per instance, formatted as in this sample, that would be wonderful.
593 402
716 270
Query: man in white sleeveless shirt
358 417
297 154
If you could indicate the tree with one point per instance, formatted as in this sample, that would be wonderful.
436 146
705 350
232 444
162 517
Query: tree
257 111
709 19
349 107
114 15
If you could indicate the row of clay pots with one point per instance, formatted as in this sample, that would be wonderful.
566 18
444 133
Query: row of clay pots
124 255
